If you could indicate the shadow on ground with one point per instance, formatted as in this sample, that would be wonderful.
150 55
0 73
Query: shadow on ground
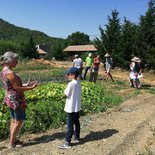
45 139
92 136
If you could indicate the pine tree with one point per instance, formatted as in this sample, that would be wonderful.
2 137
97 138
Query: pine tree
147 35
129 40
111 37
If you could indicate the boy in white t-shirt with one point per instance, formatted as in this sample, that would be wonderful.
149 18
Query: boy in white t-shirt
72 107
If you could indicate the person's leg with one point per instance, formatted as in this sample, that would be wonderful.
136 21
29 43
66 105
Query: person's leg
107 73
91 77
131 83
85 73
14 131
69 133
95 76
77 125
16 122
80 73
13 121
106 77
110 75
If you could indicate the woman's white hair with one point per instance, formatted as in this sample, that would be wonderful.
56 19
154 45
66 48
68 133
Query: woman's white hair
8 57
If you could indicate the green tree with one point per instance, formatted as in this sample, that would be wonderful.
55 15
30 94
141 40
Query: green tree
28 50
58 52
129 41
78 38
147 35
111 37
8 46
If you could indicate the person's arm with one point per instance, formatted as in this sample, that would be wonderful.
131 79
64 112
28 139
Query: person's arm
67 91
16 85
73 62
85 63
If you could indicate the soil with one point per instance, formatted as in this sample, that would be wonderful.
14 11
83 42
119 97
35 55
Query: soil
128 129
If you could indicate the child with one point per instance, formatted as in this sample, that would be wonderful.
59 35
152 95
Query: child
72 107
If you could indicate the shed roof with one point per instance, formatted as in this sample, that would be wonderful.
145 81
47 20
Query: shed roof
40 51
80 48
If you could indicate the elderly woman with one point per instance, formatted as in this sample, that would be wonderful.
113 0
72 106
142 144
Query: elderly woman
14 96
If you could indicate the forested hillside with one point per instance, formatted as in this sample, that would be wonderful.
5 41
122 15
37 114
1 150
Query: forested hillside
15 38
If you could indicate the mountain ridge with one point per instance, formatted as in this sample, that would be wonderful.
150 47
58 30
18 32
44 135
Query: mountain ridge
11 32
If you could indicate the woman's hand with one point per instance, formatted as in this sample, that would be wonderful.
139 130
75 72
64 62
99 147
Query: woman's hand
31 83
34 84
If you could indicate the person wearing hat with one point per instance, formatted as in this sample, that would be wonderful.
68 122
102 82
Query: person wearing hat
136 72
78 63
88 64
72 107
108 66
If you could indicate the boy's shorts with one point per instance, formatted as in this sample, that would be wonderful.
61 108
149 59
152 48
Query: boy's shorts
18 114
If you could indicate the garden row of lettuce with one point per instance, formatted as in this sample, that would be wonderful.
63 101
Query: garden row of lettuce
46 106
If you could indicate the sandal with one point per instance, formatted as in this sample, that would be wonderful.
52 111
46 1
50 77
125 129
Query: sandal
11 146
17 144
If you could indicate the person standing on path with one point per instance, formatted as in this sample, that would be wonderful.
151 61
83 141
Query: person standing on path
108 65
72 107
78 63
95 69
14 96
88 65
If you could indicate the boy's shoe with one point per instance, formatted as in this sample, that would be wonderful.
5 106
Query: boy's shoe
77 140
65 145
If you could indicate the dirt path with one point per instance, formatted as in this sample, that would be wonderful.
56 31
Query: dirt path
126 130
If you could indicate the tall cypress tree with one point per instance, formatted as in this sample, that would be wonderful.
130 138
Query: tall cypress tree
111 37
28 50
129 40
147 35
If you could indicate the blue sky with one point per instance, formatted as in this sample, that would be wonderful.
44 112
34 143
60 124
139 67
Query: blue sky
60 18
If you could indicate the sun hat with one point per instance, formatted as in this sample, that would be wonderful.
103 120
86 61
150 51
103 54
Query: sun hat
107 55
89 54
73 70
75 55
135 59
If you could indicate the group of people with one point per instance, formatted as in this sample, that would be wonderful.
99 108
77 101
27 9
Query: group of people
92 64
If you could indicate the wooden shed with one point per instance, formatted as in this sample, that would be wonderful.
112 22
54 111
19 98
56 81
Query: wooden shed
79 49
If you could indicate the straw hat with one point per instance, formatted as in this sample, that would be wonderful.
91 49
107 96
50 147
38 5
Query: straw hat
135 59
107 55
